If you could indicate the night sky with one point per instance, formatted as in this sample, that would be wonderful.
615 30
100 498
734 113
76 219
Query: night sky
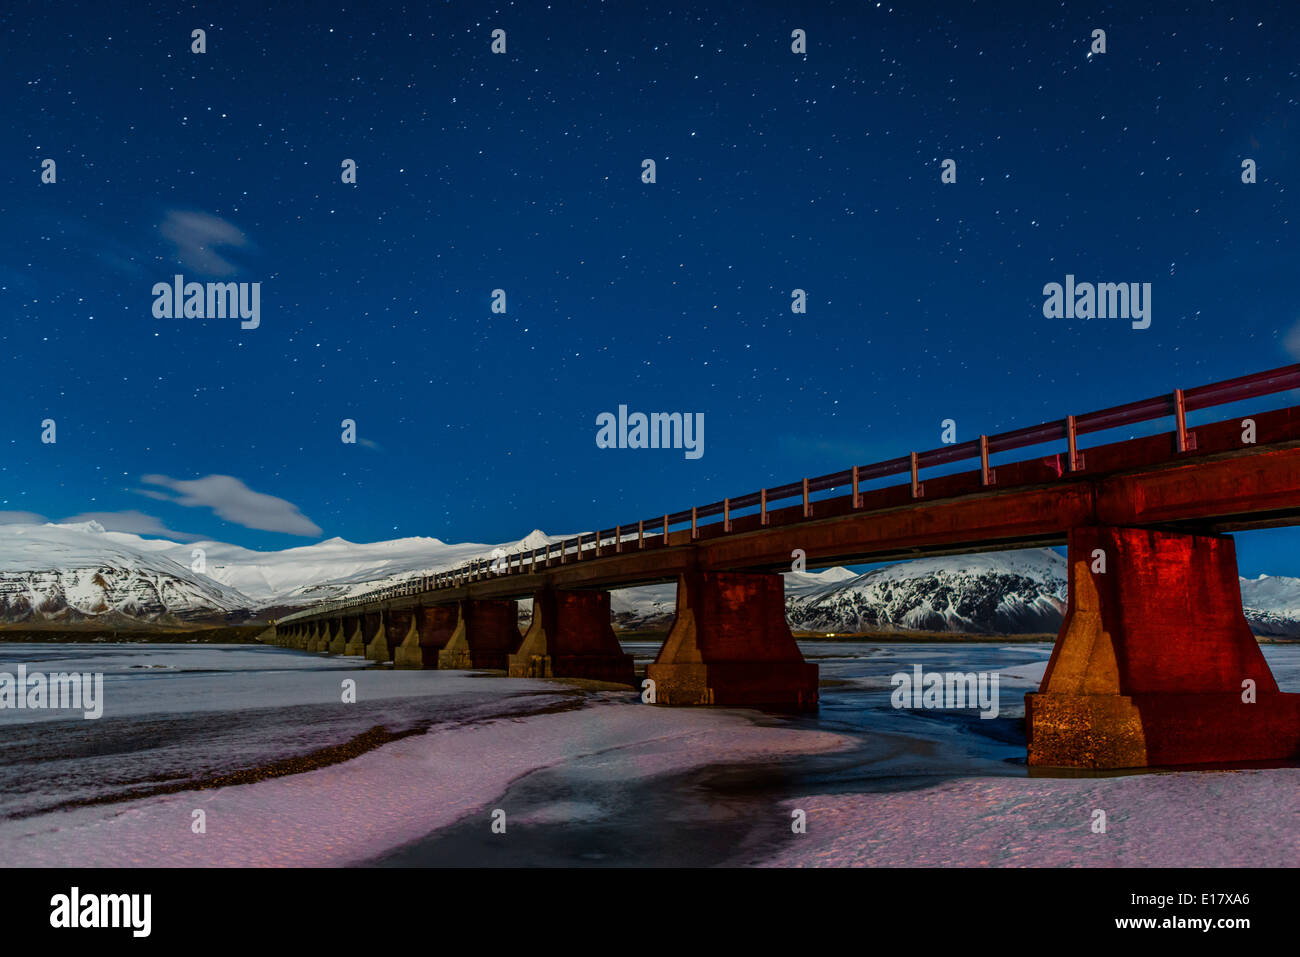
523 171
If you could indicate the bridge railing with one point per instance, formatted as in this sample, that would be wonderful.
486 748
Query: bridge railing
1177 404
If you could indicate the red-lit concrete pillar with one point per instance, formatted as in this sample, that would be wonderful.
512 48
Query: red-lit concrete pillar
1155 663
486 635
730 645
571 636
431 628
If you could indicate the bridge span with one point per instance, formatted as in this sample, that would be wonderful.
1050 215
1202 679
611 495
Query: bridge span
1155 663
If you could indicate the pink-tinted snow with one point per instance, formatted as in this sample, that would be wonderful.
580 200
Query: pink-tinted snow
1176 819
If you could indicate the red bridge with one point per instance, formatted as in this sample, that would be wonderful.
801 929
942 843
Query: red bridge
1155 663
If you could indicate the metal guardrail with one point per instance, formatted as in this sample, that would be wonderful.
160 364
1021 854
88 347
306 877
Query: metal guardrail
1178 404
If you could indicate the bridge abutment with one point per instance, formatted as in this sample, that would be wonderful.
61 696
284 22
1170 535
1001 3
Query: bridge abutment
1155 663
730 645
486 635
571 637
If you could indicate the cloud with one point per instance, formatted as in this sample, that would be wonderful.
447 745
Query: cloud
195 236
234 501
137 523
21 518
1292 341
370 444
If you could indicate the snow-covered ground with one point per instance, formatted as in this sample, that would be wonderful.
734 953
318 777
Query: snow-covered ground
586 776
1174 819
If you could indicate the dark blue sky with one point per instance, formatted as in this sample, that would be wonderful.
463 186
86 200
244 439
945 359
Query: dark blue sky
522 172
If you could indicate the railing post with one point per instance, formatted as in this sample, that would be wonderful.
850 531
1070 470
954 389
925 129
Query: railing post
987 476
665 529
1186 440
695 532
1072 436
618 539
917 488
640 533
726 514
807 508
762 507
564 549
857 497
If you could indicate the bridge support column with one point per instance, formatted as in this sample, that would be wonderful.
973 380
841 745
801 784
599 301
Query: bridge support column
430 630
376 634
336 639
486 635
355 636
730 645
571 636
323 636
1155 661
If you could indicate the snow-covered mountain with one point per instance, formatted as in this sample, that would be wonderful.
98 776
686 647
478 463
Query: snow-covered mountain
1272 605
1016 592
78 572
330 569
652 606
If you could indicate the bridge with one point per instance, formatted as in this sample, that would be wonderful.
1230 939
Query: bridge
1154 665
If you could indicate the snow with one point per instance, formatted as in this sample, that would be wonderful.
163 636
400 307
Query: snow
396 794
1182 819
1273 593
93 570
880 786
1020 591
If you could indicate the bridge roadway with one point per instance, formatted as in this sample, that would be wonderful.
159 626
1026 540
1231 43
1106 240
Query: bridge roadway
1161 623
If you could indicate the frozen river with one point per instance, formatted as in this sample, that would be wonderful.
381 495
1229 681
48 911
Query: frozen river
286 771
